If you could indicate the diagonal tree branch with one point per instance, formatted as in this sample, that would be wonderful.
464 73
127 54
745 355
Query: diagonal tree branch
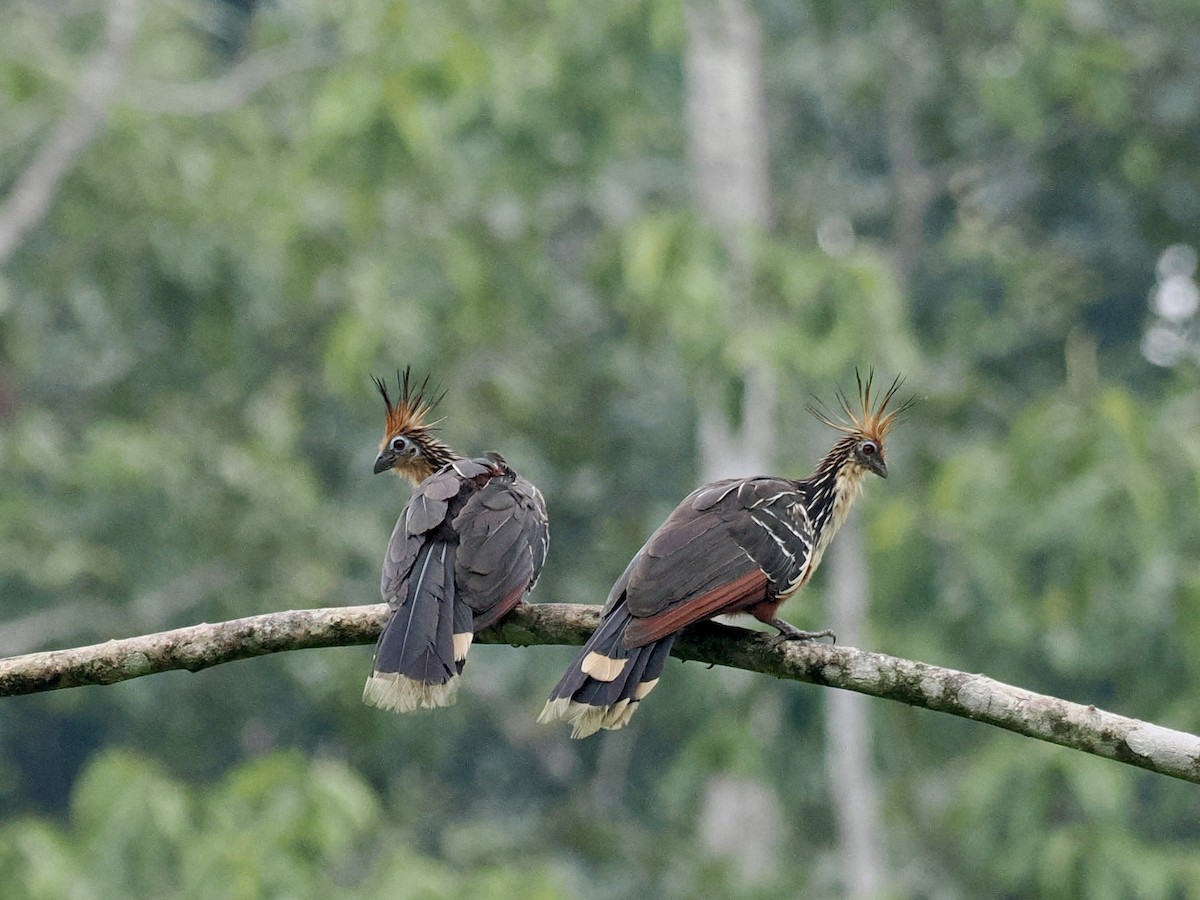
231 89
33 192
1073 725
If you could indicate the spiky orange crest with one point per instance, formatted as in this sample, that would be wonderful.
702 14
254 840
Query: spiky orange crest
412 407
867 422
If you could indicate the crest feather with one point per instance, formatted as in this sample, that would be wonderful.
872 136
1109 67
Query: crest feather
866 421
412 406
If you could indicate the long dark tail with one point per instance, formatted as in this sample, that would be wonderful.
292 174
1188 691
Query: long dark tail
424 645
608 680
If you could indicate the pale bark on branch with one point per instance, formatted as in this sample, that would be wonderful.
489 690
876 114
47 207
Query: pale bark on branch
971 696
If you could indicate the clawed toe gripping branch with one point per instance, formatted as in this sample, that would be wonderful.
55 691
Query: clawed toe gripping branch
1073 725
789 632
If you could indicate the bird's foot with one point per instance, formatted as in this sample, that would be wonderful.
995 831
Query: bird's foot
789 632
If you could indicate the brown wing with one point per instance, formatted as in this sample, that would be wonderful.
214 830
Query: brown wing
503 535
727 546
425 512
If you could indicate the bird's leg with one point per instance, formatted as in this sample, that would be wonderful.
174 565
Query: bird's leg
789 632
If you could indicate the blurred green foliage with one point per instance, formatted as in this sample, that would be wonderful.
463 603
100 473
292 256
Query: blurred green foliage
280 826
499 194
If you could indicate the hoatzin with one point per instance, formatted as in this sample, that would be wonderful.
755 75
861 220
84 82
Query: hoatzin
468 545
742 545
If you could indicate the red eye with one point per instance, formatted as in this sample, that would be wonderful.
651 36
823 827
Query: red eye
868 448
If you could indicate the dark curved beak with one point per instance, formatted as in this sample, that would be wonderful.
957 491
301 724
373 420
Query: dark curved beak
878 466
384 461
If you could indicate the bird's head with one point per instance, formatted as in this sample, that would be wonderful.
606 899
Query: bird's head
409 447
867 428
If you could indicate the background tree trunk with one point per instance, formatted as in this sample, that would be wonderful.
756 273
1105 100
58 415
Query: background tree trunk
727 151
852 786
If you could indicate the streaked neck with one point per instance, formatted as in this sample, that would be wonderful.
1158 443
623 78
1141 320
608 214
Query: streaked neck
830 493
434 455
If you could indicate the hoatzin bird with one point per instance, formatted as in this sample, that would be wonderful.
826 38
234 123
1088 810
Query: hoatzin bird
467 547
742 545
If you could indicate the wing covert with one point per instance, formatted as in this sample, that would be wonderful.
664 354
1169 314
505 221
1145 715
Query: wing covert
425 511
503 536
727 546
